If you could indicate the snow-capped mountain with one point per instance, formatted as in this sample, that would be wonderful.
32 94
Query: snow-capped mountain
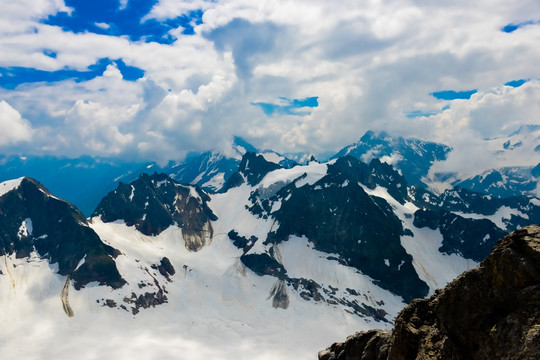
36 224
512 169
413 157
507 166
211 170
282 260
505 182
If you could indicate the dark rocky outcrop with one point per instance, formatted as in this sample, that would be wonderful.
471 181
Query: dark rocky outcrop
32 219
152 203
470 238
339 217
165 268
252 169
490 312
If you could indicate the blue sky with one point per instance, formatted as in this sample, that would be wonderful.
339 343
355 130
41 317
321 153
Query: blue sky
155 79
112 18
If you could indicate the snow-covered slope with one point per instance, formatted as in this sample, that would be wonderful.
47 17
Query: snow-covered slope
296 258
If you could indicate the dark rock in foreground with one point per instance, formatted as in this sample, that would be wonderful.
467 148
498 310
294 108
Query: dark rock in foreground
490 312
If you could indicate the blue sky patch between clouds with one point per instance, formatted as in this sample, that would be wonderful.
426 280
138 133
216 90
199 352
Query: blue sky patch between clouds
287 106
516 83
12 77
107 17
510 28
453 95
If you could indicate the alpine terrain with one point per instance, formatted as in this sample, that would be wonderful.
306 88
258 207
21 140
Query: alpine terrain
490 312
247 256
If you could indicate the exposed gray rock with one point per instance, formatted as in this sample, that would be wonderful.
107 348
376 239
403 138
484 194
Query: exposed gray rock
490 312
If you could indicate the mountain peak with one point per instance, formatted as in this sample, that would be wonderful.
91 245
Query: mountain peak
10 185
412 157
32 219
242 146
152 203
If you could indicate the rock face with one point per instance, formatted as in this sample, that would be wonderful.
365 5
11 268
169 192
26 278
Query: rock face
152 203
490 312
32 219
339 217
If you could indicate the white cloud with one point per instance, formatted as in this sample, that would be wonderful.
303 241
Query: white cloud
166 9
15 129
369 65
478 128
98 127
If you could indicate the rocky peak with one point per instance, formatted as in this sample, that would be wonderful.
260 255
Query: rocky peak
32 219
490 312
413 157
252 169
375 174
338 216
152 203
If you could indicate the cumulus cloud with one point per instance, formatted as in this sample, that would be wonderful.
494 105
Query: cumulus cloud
15 129
478 128
369 66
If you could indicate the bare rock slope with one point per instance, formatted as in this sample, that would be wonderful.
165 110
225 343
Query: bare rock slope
490 312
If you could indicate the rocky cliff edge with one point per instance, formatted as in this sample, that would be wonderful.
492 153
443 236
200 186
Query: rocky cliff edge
490 312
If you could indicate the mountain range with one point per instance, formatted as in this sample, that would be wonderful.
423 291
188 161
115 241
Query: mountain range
253 253
84 181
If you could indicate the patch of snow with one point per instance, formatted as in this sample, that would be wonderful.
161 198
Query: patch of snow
25 229
302 261
276 206
432 266
502 214
9 185
272 157
161 183
194 194
387 262
314 172
132 193
81 262
51 195
216 182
